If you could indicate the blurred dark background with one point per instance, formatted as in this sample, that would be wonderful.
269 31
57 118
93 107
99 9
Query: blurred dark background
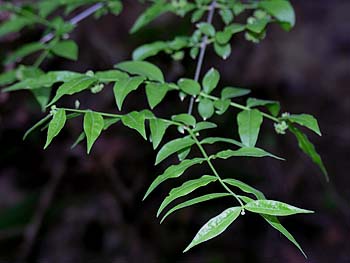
61 205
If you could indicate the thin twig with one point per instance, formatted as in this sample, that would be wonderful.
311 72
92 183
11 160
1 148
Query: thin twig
202 52
76 19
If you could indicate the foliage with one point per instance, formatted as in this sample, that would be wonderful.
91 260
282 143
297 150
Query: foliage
131 76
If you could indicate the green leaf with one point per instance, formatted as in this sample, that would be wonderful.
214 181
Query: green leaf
55 126
274 208
93 126
35 126
185 118
189 86
231 92
42 96
206 29
185 189
158 128
223 37
73 86
275 223
210 80
305 120
157 9
197 15
109 122
273 106
226 15
212 140
223 51
136 120
24 51
215 226
142 68
206 108
194 201
222 106
80 138
174 171
8 77
309 149
149 50
110 75
204 125
282 10
155 93
173 147
182 154
123 87
245 187
249 122
67 49
15 24
245 152
258 25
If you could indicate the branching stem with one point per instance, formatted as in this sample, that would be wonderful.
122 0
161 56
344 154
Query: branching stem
207 159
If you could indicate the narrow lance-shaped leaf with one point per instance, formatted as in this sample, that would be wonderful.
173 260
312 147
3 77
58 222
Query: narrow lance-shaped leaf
212 140
245 152
232 92
274 208
136 120
215 226
185 189
173 147
194 201
149 50
55 126
309 149
275 223
93 126
110 75
73 86
249 122
142 68
245 187
80 138
173 171
150 14
123 87
24 51
36 126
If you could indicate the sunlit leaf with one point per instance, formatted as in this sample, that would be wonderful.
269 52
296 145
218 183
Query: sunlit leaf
215 226
274 208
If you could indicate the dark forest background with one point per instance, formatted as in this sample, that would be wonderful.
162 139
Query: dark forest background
93 209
